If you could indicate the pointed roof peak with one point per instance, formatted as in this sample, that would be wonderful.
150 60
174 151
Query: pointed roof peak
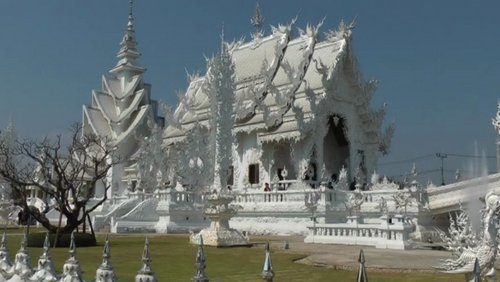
130 24
222 38
128 53
257 22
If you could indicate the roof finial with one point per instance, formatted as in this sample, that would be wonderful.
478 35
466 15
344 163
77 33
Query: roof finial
257 22
128 53
222 38
130 25
496 120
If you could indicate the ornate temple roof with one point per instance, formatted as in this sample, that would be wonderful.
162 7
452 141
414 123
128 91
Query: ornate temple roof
278 77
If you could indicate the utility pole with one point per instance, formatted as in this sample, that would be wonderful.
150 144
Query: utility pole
442 156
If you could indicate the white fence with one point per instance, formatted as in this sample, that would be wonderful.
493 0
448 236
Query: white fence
390 233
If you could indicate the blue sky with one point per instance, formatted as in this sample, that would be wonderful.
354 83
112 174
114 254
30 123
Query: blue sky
438 62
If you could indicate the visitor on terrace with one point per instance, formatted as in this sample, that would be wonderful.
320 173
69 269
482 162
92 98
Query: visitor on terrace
267 188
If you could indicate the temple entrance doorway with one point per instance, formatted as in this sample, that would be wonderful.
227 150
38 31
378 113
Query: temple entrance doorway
335 147
283 165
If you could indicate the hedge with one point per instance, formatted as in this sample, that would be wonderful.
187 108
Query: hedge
81 240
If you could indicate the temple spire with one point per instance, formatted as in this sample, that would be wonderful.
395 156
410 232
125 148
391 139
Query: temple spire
222 43
130 25
257 22
496 124
128 53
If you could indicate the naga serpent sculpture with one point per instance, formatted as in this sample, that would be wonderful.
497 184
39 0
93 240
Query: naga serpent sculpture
486 250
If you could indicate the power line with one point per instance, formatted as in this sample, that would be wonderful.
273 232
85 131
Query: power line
471 156
407 160
434 155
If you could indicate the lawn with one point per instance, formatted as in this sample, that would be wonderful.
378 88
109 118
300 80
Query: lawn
174 258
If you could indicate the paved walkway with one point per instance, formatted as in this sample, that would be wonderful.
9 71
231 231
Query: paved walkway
346 257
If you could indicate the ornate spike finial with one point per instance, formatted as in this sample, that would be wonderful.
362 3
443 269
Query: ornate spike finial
46 245
71 268
72 247
105 271
362 277
267 270
24 241
496 120
222 43
475 275
3 245
5 262
476 272
22 262
145 273
128 53
200 263
46 270
105 253
257 22
130 24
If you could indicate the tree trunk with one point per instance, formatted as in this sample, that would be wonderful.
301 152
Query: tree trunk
84 221
58 227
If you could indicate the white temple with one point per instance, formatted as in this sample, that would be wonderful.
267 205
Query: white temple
284 126
301 114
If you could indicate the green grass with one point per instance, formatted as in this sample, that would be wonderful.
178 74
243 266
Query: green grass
174 258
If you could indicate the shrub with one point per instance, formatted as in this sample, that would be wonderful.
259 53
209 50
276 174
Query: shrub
81 240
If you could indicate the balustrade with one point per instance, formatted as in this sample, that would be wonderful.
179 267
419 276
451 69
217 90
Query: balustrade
383 235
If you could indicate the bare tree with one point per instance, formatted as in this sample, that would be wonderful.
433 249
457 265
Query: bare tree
67 175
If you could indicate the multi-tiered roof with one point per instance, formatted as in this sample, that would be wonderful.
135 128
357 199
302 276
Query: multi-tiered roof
121 109
284 85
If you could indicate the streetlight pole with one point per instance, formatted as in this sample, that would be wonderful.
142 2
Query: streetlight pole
442 156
